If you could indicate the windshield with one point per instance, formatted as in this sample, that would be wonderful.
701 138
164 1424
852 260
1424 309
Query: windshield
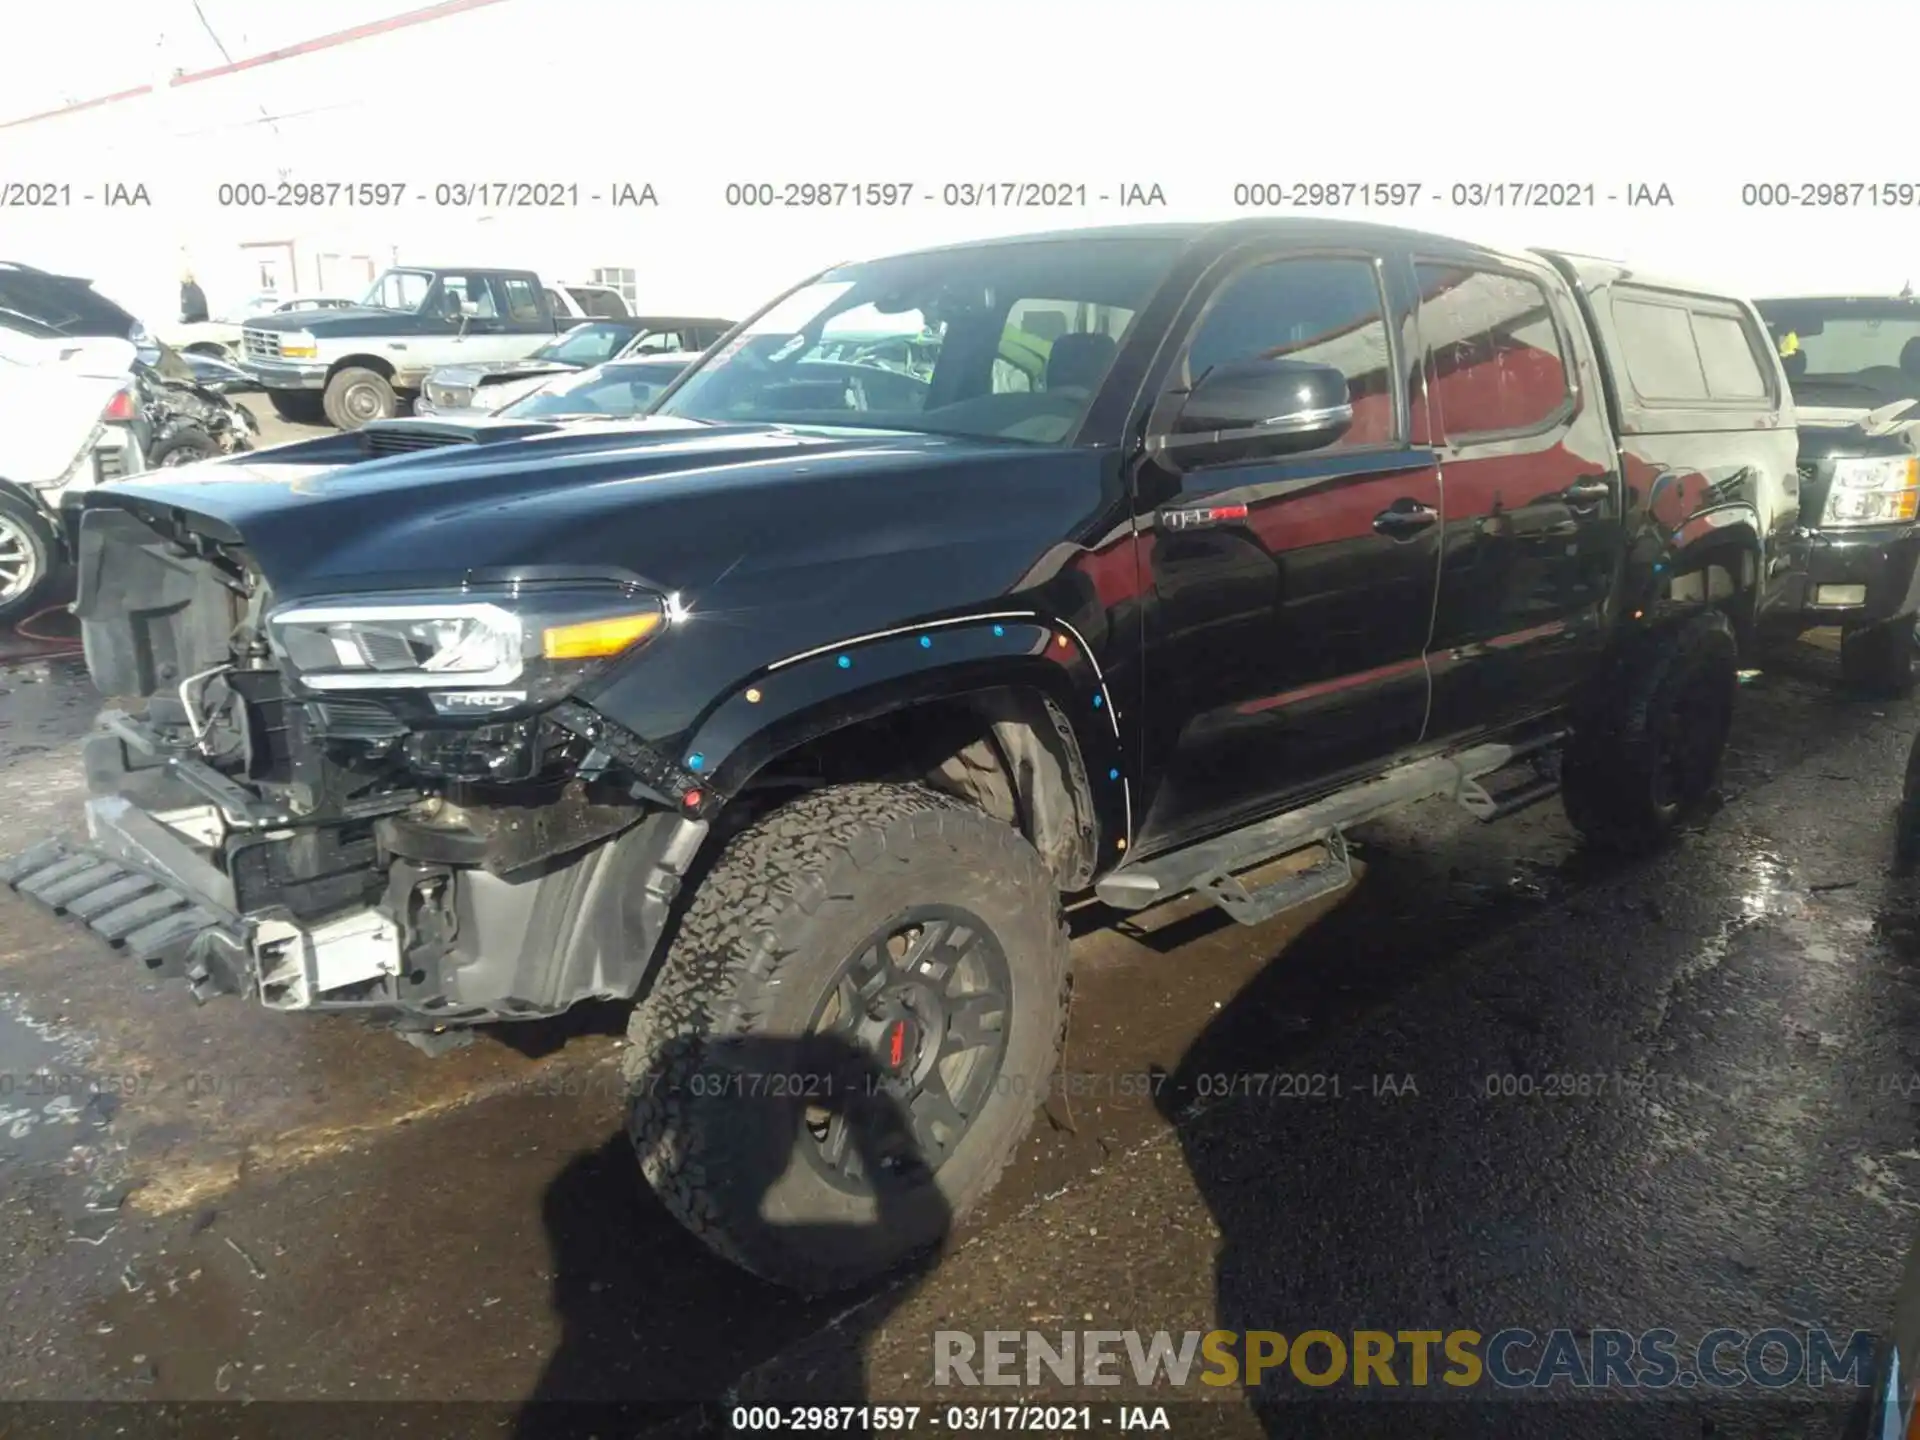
619 390
1008 340
399 290
1855 354
587 344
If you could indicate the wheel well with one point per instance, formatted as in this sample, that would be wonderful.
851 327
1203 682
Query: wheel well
1724 576
207 347
1009 751
361 362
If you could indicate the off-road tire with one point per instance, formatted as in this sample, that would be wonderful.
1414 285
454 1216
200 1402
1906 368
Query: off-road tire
1907 818
352 381
25 526
788 900
1625 783
297 407
1878 659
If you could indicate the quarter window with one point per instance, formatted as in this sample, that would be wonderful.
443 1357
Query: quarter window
1494 359
1681 352
1656 340
1726 354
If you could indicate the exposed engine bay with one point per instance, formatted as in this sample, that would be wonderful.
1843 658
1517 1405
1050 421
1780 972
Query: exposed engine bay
300 825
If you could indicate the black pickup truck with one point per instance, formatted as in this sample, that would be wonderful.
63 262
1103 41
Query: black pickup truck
798 707
1854 364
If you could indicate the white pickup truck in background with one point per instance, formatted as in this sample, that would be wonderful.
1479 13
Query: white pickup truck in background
369 361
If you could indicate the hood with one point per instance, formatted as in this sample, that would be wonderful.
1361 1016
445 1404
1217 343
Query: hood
475 372
677 502
495 393
358 321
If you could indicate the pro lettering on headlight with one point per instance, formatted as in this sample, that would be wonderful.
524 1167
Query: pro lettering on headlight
471 656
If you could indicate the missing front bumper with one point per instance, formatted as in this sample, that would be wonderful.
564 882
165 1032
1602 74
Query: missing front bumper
139 907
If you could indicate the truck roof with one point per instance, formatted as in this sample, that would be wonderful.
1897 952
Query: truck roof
1309 226
1594 271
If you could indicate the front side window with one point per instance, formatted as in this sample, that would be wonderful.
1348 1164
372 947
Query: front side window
1494 360
469 295
400 290
927 342
1326 310
523 302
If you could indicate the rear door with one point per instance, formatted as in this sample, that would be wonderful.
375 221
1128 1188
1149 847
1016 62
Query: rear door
1530 488
1290 598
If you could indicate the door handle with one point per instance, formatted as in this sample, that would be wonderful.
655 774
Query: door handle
1588 490
1405 518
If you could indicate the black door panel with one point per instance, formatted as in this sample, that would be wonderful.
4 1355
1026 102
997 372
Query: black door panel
1288 617
1531 497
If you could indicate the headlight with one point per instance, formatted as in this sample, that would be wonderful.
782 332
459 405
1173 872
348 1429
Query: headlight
1884 490
298 345
473 656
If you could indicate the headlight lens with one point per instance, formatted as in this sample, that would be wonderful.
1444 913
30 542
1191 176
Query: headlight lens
471 655
299 345
1883 490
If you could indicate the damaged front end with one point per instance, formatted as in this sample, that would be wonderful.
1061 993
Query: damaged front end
385 804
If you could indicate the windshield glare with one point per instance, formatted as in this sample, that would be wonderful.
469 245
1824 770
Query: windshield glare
1847 355
1009 341
616 391
399 290
584 344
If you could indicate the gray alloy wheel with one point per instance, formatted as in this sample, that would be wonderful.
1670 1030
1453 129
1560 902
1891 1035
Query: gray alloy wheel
26 559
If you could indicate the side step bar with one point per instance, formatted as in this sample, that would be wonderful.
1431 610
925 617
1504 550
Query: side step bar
131 908
1210 867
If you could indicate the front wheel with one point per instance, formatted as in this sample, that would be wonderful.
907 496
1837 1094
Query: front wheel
1878 659
29 558
356 395
1647 754
850 1034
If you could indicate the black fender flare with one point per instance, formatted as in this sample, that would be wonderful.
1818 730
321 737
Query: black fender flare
818 691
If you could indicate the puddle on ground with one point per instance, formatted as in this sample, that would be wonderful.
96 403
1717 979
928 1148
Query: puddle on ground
56 1116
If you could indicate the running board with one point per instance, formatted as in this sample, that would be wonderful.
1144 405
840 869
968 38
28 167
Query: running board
1210 868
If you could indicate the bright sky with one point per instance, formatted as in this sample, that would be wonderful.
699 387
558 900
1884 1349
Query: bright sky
1195 98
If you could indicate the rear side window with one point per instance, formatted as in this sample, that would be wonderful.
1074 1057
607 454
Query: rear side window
1677 353
1495 364
1726 355
1328 310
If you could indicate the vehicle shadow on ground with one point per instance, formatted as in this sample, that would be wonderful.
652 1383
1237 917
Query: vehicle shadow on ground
1410 917
615 1371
